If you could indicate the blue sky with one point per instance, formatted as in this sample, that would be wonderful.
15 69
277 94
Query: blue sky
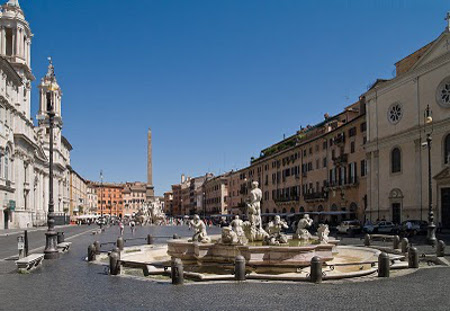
217 81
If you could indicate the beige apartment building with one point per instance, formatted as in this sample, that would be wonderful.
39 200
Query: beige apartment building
321 168
78 194
216 195
168 203
134 197
397 137
92 198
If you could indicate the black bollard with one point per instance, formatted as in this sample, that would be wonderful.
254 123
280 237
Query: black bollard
404 245
315 274
413 258
91 252
440 249
60 237
239 268
25 235
176 236
150 239
177 271
396 242
367 240
383 265
97 247
114 263
120 243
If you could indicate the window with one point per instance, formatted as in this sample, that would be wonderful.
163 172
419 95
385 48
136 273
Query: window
396 160
443 93
352 147
352 132
363 127
395 113
325 143
6 163
324 162
363 168
446 149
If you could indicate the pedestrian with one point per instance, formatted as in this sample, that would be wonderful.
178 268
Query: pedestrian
121 228
132 226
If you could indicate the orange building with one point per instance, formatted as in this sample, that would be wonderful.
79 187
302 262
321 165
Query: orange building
110 199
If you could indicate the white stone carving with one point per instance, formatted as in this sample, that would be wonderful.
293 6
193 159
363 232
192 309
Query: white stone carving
302 232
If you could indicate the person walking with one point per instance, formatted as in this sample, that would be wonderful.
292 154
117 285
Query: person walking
121 228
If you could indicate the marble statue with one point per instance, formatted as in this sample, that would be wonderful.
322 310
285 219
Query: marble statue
229 237
302 232
200 230
322 232
237 226
274 228
253 202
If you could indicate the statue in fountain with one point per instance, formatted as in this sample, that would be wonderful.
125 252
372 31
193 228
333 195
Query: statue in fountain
322 232
274 228
237 225
200 230
253 228
229 237
302 232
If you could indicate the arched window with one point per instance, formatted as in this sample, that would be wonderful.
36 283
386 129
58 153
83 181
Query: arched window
302 209
396 160
274 210
6 160
292 210
284 211
446 149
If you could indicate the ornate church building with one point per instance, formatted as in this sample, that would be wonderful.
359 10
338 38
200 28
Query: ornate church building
24 147
402 114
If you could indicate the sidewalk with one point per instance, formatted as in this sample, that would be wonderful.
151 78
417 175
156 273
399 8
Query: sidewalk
9 232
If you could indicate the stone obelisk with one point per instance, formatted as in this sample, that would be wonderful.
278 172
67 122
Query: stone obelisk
150 192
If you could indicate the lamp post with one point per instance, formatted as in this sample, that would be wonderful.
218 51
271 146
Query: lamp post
101 199
51 250
431 234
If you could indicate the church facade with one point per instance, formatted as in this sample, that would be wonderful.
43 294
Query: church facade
24 146
401 113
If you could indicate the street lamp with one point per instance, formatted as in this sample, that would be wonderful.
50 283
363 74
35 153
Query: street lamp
431 234
101 200
51 250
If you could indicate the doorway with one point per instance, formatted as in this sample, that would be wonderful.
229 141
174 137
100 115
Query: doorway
6 219
396 214
445 207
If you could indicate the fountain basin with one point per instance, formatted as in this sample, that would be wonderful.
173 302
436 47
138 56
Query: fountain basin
255 255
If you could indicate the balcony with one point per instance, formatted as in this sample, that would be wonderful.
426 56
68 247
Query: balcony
315 197
340 160
286 200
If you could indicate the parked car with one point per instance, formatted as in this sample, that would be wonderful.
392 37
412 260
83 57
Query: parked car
386 227
349 226
369 227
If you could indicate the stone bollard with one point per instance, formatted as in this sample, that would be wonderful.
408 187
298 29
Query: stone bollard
239 268
367 240
396 242
383 265
177 271
97 247
114 263
413 258
60 237
150 239
440 249
120 243
315 274
92 252
176 236
404 245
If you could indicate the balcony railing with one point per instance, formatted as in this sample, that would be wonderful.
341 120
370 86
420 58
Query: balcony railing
342 159
316 196
285 200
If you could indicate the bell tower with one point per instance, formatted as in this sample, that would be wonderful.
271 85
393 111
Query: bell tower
15 46
49 83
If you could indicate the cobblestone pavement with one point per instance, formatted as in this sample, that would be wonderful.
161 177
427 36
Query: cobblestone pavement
70 283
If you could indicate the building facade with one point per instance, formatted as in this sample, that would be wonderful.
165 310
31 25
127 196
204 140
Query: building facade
134 197
92 198
398 125
78 194
110 199
24 147
216 195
